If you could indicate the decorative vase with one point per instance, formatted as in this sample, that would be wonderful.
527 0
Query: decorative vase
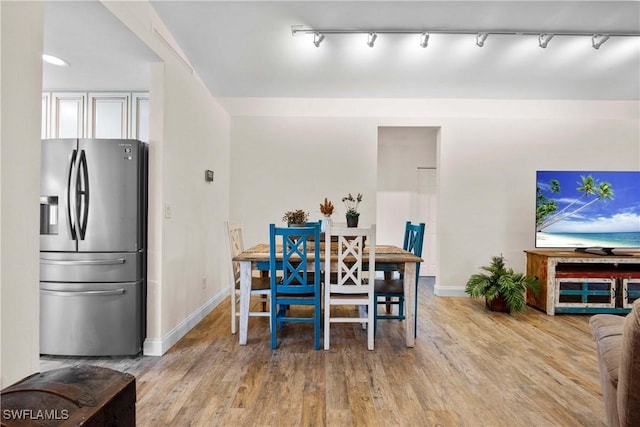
352 220
324 223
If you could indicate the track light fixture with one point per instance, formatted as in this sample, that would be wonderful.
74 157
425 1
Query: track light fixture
317 39
371 39
424 39
598 39
544 39
480 38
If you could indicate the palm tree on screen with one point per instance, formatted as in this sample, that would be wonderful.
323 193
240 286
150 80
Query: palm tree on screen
544 206
588 187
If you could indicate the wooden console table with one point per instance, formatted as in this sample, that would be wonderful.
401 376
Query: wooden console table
578 282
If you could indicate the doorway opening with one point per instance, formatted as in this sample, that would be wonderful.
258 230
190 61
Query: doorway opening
407 187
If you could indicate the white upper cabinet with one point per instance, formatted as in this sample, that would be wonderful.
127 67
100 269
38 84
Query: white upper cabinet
108 115
68 114
140 116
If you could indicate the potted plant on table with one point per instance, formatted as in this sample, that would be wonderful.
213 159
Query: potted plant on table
296 217
352 213
326 209
503 289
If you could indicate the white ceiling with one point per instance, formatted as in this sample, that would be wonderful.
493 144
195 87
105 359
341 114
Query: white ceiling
246 49
103 54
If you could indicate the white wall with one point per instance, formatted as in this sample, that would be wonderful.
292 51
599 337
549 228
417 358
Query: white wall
189 272
21 29
193 259
487 158
487 194
285 163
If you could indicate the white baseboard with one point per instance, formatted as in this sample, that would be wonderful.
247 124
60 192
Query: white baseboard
449 291
158 347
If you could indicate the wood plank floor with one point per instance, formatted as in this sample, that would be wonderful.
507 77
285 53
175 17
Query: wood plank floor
470 367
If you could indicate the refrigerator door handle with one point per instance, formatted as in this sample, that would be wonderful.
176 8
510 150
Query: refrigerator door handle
82 293
82 186
113 261
71 195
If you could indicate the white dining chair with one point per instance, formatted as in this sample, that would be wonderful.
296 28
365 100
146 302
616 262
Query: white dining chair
260 286
349 280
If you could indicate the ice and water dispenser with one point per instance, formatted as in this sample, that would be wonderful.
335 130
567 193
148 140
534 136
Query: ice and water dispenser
48 214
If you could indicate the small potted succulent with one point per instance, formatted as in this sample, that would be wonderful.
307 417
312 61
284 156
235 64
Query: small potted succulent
352 213
296 217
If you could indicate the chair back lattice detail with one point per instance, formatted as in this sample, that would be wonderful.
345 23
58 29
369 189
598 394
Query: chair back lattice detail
350 273
294 272
236 246
413 241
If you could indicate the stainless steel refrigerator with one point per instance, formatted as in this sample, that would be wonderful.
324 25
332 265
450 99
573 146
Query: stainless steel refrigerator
93 216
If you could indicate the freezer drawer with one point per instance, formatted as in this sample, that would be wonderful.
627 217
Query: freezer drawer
91 267
91 319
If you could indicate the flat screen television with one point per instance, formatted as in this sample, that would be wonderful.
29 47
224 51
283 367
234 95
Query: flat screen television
593 211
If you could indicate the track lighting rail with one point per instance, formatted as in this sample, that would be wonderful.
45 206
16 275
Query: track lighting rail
544 37
296 29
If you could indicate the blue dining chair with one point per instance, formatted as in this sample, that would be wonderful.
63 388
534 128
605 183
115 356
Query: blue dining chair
315 224
295 280
390 291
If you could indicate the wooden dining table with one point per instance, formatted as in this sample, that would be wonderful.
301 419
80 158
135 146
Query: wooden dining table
387 258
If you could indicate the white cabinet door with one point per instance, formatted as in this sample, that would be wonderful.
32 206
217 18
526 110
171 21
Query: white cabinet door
108 115
68 113
46 117
140 116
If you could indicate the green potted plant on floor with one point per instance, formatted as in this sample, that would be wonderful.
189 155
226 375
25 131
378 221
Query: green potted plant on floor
502 288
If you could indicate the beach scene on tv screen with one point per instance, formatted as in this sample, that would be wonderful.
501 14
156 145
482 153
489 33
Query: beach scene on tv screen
582 209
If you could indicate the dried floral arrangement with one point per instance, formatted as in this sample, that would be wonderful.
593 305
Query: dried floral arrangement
327 207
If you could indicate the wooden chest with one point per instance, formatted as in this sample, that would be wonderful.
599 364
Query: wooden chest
75 396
